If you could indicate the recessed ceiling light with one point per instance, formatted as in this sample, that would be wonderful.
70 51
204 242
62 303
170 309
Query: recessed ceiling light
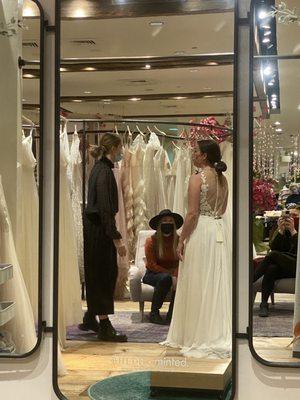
147 66
271 83
79 13
262 14
89 69
266 26
278 130
179 53
194 70
277 123
268 70
28 76
107 100
62 69
267 33
180 97
298 107
207 88
156 23
135 99
77 101
173 129
266 40
212 63
23 99
87 92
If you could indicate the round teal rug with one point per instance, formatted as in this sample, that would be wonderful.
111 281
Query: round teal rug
133 386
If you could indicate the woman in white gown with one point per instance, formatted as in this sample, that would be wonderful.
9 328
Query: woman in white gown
201 322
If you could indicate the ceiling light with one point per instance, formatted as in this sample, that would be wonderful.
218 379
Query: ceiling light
194 70
62 69
266 26
135 99
79 13
207 88
156 23
212 63
277 123
295 153
173 129
89 69
298 107
147 66
266 40
107 100
271 83
278 130
267 33
77 101
28 76
87 92
179 53
268 70
274 96
180 97
28 12
23 99
262 14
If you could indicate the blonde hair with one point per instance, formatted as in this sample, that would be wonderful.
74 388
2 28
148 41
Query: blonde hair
160 241
107 142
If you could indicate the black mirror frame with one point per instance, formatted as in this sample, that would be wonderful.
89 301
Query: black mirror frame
55 384
255 355
40 192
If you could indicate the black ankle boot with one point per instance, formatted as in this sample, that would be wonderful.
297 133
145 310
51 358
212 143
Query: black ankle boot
89 323
155 318
263 310
108 333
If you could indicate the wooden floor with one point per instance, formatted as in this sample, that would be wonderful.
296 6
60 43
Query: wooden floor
90 362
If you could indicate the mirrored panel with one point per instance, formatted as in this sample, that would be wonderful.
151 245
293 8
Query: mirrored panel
20 166
138 193
275 196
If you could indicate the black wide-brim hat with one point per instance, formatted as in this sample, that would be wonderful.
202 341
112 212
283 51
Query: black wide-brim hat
166 213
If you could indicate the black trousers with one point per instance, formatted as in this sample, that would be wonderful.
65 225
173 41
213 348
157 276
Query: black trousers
275 265
100 267
162 283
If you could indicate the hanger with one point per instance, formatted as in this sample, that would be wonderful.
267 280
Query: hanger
149 130
158 130
175 145
116 130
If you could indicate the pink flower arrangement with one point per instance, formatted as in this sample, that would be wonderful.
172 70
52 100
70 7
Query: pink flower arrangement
264 198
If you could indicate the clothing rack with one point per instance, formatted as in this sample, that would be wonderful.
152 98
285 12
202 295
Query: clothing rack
115 121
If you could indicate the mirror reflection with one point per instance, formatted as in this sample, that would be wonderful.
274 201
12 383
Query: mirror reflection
19 180
145 263
276 190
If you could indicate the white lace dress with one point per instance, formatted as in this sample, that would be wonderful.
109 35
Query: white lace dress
27 239
76 195
22 325
70 309
201 323
183 173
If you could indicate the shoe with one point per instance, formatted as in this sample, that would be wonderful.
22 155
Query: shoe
107 333
89 324
263 310
155 318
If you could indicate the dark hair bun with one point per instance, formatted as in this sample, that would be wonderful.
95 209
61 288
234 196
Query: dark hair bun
220 167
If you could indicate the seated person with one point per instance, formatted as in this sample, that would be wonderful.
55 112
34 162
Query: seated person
280 262
294 197
162 261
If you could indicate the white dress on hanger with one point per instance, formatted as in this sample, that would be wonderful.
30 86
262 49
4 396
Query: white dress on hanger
201 322
182 178
151 189
22 325
28 227
161 167
70 308
76 177
171 180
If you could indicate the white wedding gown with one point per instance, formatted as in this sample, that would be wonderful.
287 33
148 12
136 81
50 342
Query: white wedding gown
69 308
201 322
22 325
28 227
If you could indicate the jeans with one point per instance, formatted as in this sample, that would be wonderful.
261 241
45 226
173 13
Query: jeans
162 283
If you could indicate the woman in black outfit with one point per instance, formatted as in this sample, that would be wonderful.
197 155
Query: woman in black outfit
102 240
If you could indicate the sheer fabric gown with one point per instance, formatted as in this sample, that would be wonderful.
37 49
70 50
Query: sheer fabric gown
28 229
201 323
22 325
70 309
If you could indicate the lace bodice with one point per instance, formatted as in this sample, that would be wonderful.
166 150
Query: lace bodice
214 193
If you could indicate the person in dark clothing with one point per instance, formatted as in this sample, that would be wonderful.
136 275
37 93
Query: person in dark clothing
102 241
162 262
280 262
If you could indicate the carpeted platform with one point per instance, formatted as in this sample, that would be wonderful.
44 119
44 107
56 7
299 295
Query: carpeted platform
129 323
278 324
135 386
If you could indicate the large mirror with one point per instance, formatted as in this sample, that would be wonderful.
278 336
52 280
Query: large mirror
276 176
145 137
21 39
